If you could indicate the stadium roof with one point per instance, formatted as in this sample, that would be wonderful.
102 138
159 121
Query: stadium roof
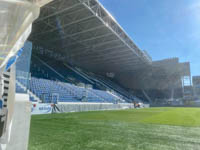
88 35
161 74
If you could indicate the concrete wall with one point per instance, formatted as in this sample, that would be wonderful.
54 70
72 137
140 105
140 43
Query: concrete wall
20 123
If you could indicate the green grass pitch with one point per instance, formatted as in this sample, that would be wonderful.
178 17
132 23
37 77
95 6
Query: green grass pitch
136 129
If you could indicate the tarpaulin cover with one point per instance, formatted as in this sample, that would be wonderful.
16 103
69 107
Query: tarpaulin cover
16 18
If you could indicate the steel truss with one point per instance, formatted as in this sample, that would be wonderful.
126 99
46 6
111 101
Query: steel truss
86 33
113 61
113 58
106 18
119 52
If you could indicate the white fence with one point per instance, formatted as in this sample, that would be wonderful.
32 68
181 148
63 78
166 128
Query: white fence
80 107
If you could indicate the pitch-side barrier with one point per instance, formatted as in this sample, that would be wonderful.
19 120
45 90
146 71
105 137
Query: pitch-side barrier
41 108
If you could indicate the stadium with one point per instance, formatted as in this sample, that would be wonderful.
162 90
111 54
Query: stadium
84 77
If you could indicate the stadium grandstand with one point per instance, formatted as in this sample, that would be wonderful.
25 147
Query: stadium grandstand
196 86
81 54
75 57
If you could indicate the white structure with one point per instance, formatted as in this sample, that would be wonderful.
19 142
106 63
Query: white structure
16 18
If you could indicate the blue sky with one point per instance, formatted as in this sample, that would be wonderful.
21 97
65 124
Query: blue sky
164 28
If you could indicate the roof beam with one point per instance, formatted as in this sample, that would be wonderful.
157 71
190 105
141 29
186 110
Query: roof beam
57 12
80 52
108 53
106 61
116 68
106 19
108 57
65 25
57 8
80 32
86 40
118 62
50 21
100 44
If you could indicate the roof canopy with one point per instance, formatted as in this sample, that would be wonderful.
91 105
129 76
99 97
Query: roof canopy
85 32
88 35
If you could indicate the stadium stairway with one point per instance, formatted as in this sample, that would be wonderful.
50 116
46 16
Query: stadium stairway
79 72
59 71
147 96
41 69
98 80
20 88
46 90
56 70
66 92
87 91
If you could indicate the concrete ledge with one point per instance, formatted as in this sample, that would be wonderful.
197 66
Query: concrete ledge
20 124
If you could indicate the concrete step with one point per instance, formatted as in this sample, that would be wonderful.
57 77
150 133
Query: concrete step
29 92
